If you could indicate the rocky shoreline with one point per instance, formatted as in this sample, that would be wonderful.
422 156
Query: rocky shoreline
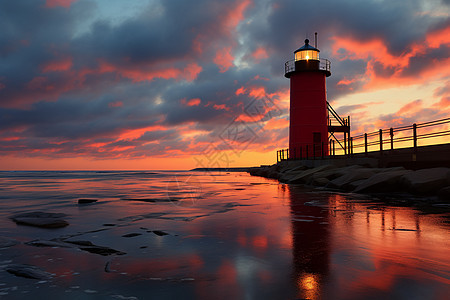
433 182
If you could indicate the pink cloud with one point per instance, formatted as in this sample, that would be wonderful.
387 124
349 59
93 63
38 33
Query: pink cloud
63 3
235 15
224 59
142 73
57 65
115 104
260 53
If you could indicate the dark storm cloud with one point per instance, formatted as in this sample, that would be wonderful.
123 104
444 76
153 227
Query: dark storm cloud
65 85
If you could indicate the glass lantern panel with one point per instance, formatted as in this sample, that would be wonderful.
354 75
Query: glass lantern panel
306 55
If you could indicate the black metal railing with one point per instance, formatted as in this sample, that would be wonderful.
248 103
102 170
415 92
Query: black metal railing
393 138
324 65
334 119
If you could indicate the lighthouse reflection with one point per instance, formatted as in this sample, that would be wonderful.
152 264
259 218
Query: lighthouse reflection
348 249
310 243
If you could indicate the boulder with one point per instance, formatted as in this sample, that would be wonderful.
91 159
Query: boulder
444 194
41 219
382 182
285 177
28 271
306 175
427 181
352 175
334 173
319 181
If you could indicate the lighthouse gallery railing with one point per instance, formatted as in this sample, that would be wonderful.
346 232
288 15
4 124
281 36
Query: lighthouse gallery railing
324 65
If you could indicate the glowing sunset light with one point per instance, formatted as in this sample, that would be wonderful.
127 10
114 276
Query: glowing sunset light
153 82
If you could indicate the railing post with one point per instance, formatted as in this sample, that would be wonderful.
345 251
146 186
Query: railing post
334 149
322 149
365 143
314 151
381 142
415 136
288 156
277 156
307 152
391 133
300 152
351 145
345 143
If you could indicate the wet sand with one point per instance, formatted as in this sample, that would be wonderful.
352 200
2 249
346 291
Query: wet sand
215 235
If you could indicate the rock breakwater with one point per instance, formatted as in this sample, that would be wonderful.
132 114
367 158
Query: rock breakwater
362 179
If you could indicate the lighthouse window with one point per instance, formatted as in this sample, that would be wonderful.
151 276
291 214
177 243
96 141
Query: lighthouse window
307 55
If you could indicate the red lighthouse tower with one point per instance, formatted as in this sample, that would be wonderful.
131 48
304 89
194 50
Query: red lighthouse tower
308 129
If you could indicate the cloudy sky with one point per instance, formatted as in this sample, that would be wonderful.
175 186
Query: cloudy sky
165 84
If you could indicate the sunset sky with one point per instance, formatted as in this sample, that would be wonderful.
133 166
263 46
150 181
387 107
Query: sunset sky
152 85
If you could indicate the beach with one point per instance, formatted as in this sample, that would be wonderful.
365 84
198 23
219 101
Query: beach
203 235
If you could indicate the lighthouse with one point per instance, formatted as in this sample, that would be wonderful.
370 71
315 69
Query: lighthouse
308 128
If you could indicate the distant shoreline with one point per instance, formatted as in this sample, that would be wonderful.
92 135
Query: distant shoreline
234 169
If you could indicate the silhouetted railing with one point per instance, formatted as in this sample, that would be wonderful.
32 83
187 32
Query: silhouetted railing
399 137
324 65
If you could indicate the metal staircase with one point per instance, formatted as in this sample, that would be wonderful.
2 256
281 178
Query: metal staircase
338 124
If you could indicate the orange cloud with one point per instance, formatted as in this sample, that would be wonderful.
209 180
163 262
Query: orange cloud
410 107
224 59
444 103
132 134
376 53
63 3
276 124
240 91
437 38
221 106
257 92
346 81
191 102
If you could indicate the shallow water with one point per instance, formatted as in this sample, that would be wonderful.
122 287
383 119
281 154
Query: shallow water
217 235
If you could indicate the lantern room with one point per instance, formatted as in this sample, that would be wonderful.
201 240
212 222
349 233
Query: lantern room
306 52
306 59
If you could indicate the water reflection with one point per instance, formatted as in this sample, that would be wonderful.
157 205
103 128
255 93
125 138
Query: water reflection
347 249
244 237
311 243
